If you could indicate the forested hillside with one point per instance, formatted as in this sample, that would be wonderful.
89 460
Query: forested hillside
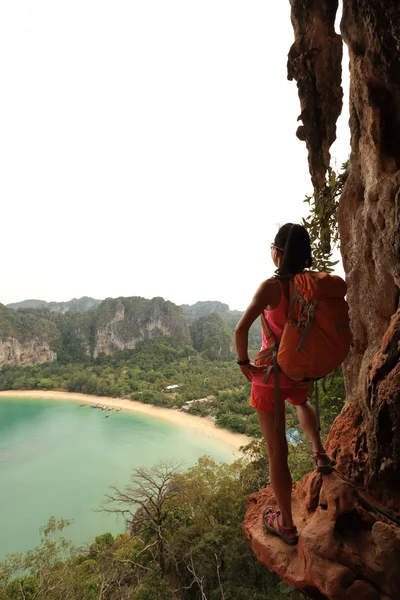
183 541
114 325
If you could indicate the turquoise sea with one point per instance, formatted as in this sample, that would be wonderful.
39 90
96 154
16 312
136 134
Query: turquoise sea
58 459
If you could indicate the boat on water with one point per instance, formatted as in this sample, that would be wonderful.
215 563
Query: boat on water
118 409
83 405
108 416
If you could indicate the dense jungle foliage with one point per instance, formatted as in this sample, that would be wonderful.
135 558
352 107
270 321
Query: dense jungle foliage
182 541
183 538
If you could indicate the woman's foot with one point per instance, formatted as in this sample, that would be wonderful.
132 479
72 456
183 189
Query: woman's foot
272 524
323 463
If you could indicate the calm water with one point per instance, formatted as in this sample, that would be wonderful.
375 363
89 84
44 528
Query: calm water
59 459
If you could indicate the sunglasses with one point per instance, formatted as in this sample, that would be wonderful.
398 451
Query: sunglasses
274 247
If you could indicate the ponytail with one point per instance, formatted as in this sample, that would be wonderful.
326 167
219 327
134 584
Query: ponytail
295 243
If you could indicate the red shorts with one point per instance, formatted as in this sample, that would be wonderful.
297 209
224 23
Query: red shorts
263 395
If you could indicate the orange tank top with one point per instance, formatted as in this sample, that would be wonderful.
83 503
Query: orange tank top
276 319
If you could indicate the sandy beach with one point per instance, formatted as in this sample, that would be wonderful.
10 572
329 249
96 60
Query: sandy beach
204 426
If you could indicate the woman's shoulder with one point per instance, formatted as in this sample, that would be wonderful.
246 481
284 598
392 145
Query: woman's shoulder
271 291
274 287
271 283
275 282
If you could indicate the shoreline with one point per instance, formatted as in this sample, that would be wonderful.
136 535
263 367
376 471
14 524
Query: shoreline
202 425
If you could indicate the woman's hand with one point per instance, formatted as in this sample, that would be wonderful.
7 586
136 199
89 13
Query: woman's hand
250 369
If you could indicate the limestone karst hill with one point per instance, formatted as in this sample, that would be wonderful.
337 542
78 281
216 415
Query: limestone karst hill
36 335
36 331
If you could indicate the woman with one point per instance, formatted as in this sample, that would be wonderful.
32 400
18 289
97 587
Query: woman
291 253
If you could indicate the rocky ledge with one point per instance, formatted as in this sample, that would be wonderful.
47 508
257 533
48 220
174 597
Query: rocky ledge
347 549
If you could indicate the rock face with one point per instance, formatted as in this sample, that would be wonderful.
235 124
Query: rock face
25 353
365 438
315 62
347 549
26 339
33 336
119 324
369 223
368 218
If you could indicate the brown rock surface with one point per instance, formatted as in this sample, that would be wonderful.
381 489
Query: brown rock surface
345 550
315 62
369 223
365 438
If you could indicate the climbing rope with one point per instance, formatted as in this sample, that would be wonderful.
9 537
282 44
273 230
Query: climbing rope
384 512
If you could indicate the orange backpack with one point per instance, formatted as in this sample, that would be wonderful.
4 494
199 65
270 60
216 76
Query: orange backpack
316 337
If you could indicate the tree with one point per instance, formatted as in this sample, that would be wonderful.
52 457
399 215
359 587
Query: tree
145 504
153 587
40 573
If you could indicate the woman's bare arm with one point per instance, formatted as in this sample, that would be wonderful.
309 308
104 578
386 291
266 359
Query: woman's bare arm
268 294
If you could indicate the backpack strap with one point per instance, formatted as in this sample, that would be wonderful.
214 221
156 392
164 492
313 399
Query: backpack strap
293 294
267 330
308 310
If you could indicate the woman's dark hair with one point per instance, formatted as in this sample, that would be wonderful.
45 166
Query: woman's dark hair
295 242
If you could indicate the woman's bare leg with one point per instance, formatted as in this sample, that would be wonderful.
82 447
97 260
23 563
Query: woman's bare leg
308 421
281 479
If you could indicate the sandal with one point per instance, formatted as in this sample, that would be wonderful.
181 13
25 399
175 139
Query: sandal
271 523
327 467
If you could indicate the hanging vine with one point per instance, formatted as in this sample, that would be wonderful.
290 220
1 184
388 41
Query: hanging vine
321 222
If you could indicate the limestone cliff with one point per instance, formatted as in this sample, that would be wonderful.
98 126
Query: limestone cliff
26 339
25 352
347 548
36 335
120 323
369 222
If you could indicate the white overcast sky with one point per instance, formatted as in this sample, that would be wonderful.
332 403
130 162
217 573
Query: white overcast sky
147 148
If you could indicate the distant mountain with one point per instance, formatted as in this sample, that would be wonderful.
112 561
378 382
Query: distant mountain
39 334
200 309
27 304
120 323
231 317
35 331
212 337
74 305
